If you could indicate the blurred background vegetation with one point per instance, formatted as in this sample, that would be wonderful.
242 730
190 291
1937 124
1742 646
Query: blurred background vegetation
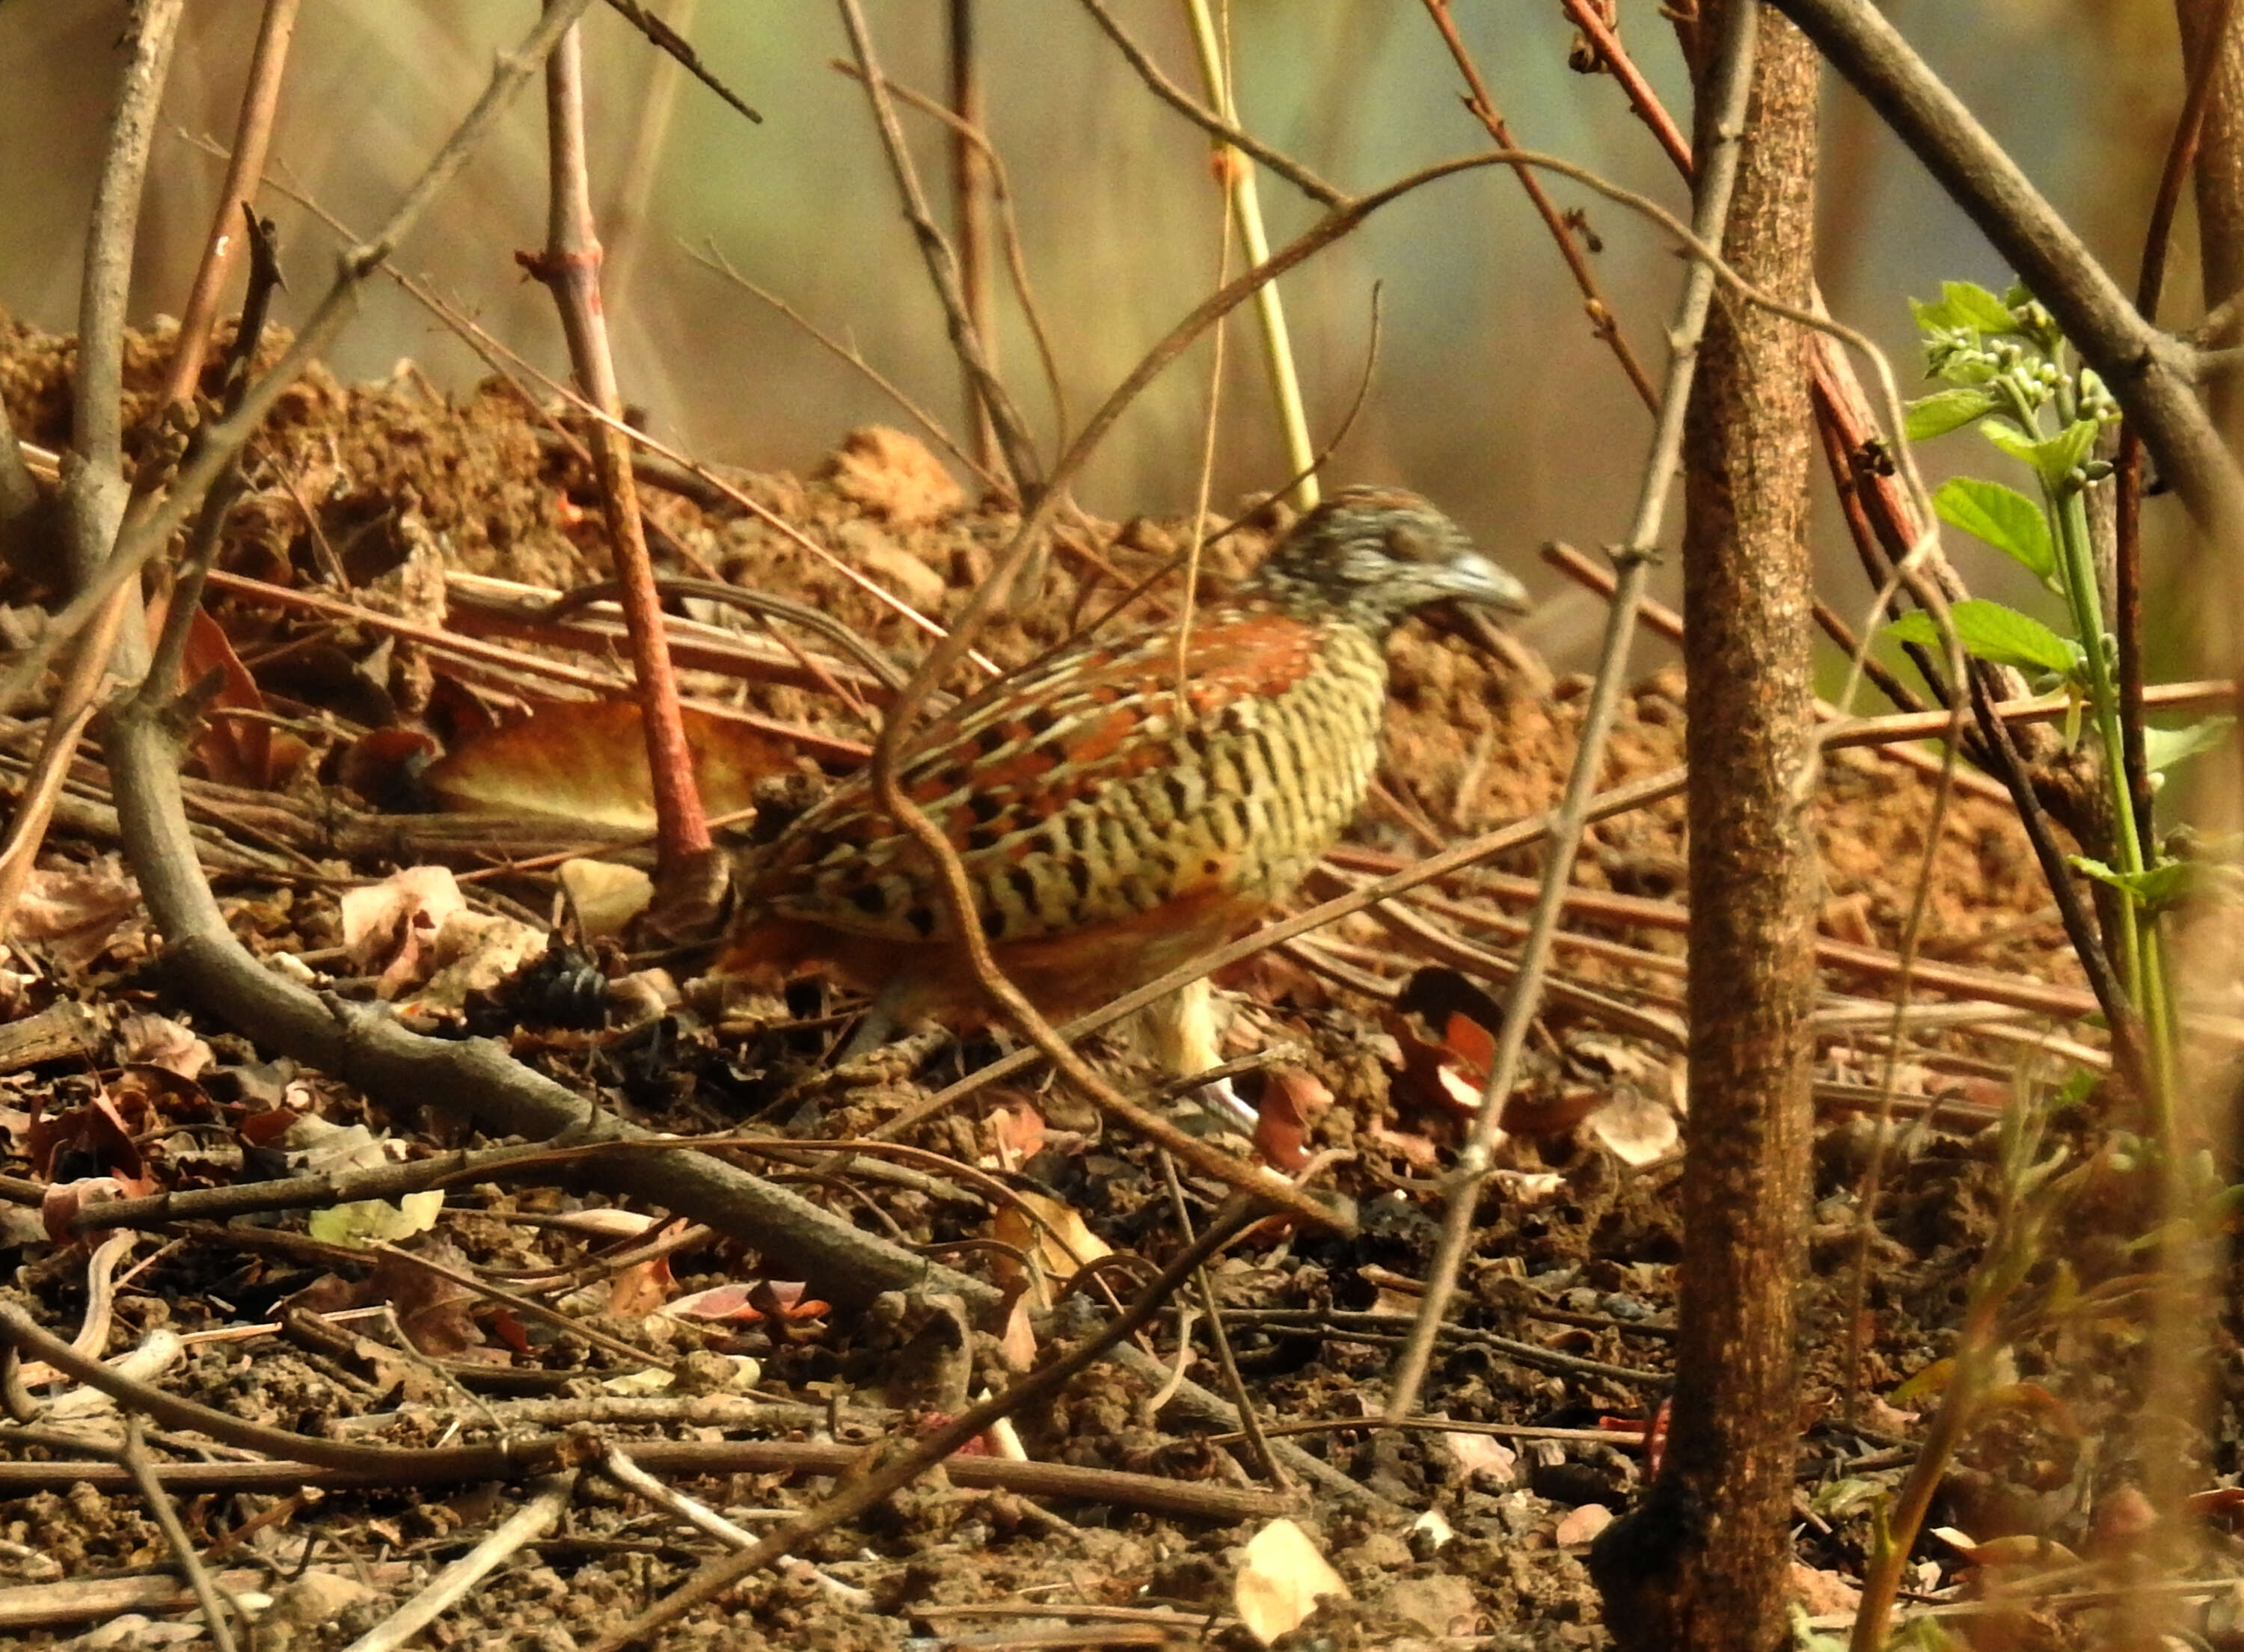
1492 393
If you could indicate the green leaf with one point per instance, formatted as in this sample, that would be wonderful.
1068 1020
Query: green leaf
2164 748
1930 1380
2003 516
2052 458
1945 410
365 1223
1974 305
1931 315
1805 1636
1999 635
1963 307
1839 1496
2155 889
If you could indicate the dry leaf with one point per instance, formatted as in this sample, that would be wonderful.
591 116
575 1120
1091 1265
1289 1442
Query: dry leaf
437 1315
387 926
719 1305
1017 1344
745 1302
1016 1134
1280 1581
474 952
1050 1230
638 1291
234 751
156 1040
1291 1100
1483 1454
1636 1128
1417 1151
75 914
585 761
603 896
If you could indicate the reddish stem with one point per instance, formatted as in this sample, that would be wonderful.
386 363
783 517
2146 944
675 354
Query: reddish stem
252 130
2128 548
570 267
1614 58
1483 108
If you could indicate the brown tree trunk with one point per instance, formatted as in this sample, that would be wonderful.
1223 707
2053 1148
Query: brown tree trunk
2219 146
1701 1563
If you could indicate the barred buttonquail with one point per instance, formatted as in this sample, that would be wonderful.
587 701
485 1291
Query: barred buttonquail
1110 827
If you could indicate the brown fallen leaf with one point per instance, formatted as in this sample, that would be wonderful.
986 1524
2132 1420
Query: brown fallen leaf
586 761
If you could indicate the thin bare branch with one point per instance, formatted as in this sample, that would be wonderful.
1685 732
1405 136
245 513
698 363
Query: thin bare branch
136 1461
665 38
1481 107
1237 179
887 1471
712 259
970 206
1008 228
2127 509
1206 119
1613 60
97 415
941 262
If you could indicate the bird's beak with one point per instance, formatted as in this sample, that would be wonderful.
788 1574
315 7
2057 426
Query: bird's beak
1475 579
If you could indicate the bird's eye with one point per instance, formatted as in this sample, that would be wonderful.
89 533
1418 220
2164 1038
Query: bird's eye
1407 544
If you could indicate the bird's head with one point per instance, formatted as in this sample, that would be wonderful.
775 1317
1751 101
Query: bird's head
1379 553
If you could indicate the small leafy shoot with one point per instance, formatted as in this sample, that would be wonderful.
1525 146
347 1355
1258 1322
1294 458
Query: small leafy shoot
2054 458
1963 307
2159 888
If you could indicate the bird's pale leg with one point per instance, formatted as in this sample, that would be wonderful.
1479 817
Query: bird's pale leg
881 1025
1182 1031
